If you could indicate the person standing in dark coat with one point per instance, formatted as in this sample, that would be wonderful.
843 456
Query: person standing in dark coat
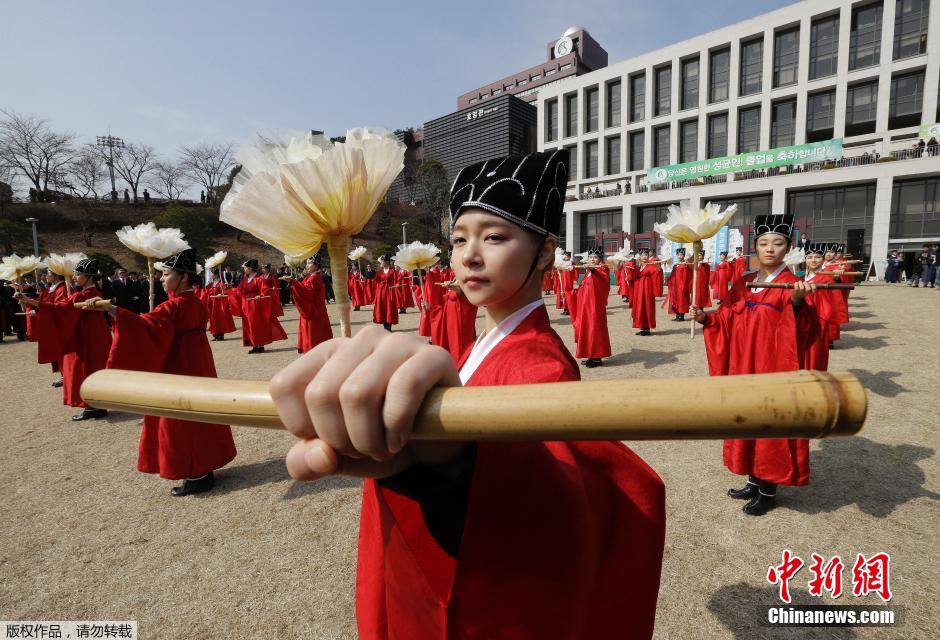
893 270
124 291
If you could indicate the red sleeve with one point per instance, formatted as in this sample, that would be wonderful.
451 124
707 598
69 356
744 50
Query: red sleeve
56 323
141 341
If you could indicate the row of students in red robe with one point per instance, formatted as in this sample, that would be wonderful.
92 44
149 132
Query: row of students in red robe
590 320
309 294
834 264
259 305
463 540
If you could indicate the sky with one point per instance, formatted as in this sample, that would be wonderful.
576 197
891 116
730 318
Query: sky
172 73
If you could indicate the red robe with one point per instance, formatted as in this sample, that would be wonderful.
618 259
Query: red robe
271 287
643 300
355 285
830 310
78 340
564 287
430 277
680 288
702 298
458 324
760 333
434 295
560 539
835 330
385 307
739 265
547 281
310 300
220 311
721 278
172 339
260 326
593 338
403 290
658 278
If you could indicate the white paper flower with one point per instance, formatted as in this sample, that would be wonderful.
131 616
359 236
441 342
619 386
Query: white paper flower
151 242
294 263
794 257
357 253
158 265
13 266
64 265
216 260
561 262
692 225
416 255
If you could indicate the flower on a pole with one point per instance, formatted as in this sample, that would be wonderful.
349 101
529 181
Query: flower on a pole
684 224
416 255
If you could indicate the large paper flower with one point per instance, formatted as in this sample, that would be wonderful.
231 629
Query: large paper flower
416 255
151 242
692 225
294 262
64 265
297 193
561 262
216 260
794 257
357 253
14 267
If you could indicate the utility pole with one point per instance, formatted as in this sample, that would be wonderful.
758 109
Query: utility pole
404 233
111 142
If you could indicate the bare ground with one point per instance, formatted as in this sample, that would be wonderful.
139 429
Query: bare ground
84 536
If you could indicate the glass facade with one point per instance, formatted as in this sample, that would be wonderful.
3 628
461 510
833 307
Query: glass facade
591 108
662 105
590 159
613 104
661 146
636 150
835 211
907 100
571 116
638 97
689 98
786 57
865 36
717 135
646 217
915 208
752 67
748 207
688 141
824 47
861 107
820 116
572 163
719 75
612 154
783 124
599 222
551 120
910 27
749 129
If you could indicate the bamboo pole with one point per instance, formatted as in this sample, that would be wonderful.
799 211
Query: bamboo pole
696 249
150 275
793 404
338 248
789 285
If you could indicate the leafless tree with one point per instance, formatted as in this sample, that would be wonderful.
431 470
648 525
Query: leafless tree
32 149
169 180
133 162
432 179
207 165
85 174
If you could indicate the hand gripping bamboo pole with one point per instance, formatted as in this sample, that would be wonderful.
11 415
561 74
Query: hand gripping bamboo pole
789 285
793 404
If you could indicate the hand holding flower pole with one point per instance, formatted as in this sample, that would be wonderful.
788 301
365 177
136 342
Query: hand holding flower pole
686 225
297 193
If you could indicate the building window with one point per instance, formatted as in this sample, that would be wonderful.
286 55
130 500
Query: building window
783 124
613 104
572 164
865 37
638 97
717 135
598 222
749 207
551 120
661 146
752 66
472 100
824 47
590 159
836 211
820 116
536 77
551 72
496 92
907 100
861 107
689 84
591 107
648 216
915 208
663 90
749 130
910 28
688 141
718 76
522 83
786 57
571 115
565 67
637 140
612 153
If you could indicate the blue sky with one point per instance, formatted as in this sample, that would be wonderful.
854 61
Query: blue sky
170 73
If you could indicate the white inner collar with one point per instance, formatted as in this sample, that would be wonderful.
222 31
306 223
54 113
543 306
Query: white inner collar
771 277
487 341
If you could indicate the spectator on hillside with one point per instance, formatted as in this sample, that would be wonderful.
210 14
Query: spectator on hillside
127 197
146 197
202 196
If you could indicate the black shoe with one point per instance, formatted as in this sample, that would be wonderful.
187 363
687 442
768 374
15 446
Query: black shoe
564 312
832 345
199 485
590 363
644 332
764 501
355 308
748 492
90 414
58 383
257 350
680 317
387 326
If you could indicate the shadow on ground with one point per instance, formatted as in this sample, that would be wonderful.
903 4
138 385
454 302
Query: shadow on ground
649 359
876 477
881 383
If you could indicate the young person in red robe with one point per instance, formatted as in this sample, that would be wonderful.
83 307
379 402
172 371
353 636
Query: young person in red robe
354 286
458 321
260 325
830 308
55 291
272 288
643 298
172 339
763 331
833 265
385 307
547 282
78 340
593 338
739 264
567 279
701 296
310 300
680 286
424 305
434 299
721 278
528 540
220 309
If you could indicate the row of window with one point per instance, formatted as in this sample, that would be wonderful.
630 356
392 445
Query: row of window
907 96
910 39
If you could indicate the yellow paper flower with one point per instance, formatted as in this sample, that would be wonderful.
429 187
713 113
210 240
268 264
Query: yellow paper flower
685 225
64 265
416 255
216 260
14 267
294 263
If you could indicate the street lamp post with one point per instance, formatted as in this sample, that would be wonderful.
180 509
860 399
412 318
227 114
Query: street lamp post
404 233
33 222
111 142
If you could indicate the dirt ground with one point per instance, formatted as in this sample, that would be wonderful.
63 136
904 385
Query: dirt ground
84 536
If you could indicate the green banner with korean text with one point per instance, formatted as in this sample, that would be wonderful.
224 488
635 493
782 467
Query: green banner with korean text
751 161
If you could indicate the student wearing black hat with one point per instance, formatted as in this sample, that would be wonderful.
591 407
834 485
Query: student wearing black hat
172 339
310 299
78 340
643 298
593 337
474 540
260 325
763 330
385 307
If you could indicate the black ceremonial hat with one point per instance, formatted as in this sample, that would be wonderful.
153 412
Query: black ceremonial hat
526 190
597 251
680 250
817 248
777 223
184 261
251 264
88 267
316 259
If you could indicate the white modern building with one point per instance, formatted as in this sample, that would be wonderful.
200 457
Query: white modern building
866 74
